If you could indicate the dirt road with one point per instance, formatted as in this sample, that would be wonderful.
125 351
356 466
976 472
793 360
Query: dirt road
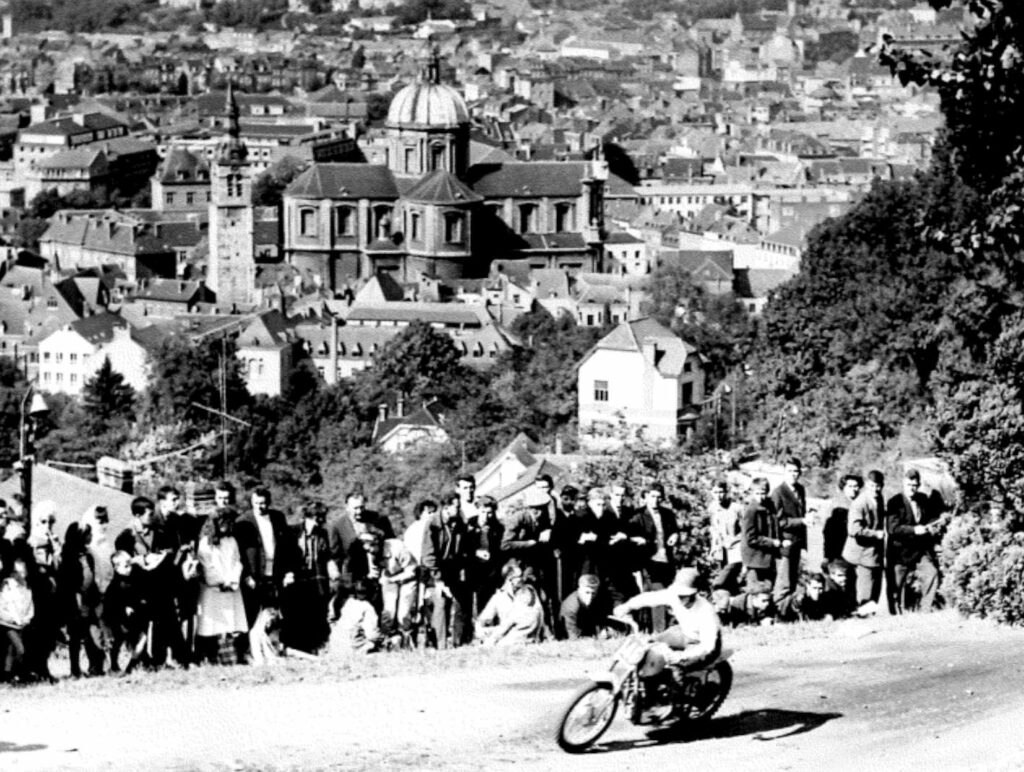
905 693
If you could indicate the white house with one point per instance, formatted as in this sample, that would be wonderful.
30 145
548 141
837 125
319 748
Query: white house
402 432
70 356
641 380
266 349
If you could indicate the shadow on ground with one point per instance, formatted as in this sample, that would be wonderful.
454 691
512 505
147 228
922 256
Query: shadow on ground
763 725
6 747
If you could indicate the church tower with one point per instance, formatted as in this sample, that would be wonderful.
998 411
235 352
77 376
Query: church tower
231 271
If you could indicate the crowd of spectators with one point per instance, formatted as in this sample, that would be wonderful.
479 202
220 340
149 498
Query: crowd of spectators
237 586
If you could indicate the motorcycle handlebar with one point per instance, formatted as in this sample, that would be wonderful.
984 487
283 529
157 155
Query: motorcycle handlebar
627 621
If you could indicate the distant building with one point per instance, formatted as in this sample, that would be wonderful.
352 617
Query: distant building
640 380
267 348
181 183
401 432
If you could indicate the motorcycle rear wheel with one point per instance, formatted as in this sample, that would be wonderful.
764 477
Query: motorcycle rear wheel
586 718
718 684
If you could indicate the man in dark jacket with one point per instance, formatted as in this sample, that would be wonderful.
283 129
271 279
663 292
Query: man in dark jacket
267 549
913 525
446 551
790 502
357 547
651 532
584 612
308 598
761 544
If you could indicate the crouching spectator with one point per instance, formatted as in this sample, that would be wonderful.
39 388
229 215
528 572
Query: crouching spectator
807 604
838 598
753 607
499 608
16 611
358 627
124 612
525 623
584 612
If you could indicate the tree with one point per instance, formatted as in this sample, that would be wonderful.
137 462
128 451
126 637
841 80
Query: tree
106 397
269 187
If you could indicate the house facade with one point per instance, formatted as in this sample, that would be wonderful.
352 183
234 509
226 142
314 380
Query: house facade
641 381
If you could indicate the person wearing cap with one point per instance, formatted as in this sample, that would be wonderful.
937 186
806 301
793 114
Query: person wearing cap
584 611
696 636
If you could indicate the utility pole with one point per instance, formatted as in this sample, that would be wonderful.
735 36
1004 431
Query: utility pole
223 384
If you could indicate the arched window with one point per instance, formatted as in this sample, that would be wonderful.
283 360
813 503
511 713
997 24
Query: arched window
344 221
454 227
307 221
437 154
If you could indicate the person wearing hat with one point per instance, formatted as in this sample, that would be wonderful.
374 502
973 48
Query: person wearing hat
584 611
696 636
528 538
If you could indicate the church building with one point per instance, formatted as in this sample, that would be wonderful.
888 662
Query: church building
427 212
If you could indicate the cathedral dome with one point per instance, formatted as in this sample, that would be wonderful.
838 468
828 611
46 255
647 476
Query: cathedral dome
427 106
428 103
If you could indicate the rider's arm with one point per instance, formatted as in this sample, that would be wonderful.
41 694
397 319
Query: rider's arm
647 600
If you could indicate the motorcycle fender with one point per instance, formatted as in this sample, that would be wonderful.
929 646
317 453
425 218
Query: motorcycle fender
604 678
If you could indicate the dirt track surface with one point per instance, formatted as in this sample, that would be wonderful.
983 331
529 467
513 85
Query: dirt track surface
906 693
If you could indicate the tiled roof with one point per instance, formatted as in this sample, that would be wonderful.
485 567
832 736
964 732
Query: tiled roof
672 351
65 127
525 179
344 181
182 165
98 329
441 187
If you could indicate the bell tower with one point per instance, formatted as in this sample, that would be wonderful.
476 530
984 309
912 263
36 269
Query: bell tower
231 272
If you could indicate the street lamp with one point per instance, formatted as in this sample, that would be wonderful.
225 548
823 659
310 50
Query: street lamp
33 408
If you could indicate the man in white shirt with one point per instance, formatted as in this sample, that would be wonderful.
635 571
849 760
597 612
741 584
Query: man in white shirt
696 637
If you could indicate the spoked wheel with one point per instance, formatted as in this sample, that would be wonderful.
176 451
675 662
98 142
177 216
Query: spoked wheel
706 698
588 716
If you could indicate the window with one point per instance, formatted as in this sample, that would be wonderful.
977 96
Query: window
565 217
168 198
209 197
527 217
688 367
190 198
600 391
437 157
687 395
234 185
46 377
73 358
453 222
343 221
59 377
59 357
73 377
414 227
46 356
410 160
307 222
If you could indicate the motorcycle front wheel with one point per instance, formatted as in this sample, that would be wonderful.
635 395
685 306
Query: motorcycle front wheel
588 716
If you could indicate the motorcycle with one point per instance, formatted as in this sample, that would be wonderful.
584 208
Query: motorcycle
641 679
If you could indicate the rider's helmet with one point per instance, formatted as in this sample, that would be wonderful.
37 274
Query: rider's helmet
685 583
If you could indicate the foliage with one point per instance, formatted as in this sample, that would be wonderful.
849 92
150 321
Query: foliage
268 188
832 46
417 11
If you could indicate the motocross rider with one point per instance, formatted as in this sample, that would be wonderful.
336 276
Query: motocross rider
696 637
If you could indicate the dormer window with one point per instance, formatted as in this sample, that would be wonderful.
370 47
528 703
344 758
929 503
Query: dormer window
307 222
344 221
454 223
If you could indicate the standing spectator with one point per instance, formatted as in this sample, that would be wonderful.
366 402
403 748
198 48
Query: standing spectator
445 554
465 488
761 545
42 633
414 537
357 545
549 570
155 548
185 528
309 597
16 612
267 551
43 533
81 600
224 495
398 593
865 541
222 618
834 529
601 543
652 531
96 519
124 612
584 612
913 526
486 575
790 502
527 536
726 537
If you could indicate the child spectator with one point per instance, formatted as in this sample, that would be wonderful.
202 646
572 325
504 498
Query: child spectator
16 611
357 629
221 607
398 593
124 611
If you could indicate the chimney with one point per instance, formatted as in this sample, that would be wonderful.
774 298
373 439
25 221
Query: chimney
382 412
558 444
79 118
650 349
400 406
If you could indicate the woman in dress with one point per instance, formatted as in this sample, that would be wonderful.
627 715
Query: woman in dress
221 610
